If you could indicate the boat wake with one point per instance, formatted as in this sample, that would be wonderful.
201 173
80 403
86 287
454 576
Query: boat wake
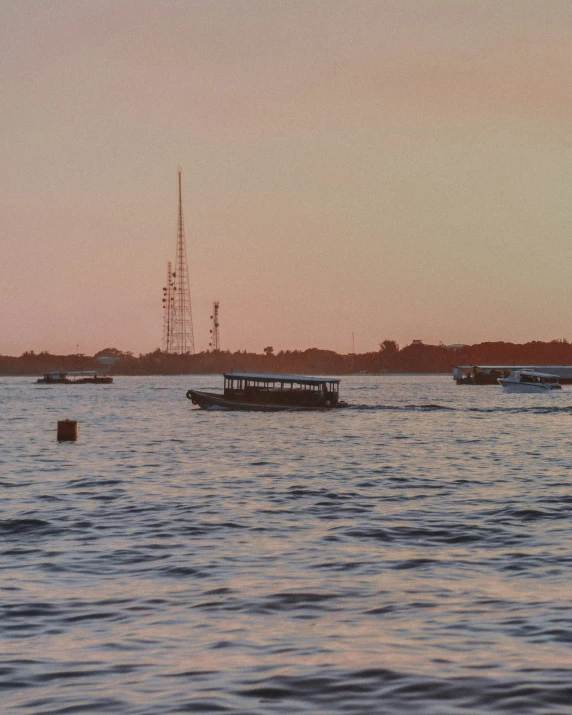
534 410
402 408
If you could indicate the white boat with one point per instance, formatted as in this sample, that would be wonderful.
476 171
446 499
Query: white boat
529 381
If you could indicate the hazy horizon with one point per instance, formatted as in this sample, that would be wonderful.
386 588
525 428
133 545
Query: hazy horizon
453 348
390 169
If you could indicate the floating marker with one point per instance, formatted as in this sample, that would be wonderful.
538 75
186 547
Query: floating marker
67 431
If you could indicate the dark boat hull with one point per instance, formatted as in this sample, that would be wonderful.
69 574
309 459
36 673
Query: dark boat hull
80 381
213 401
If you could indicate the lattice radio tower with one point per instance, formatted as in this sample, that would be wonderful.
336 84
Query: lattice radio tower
215 337
179 337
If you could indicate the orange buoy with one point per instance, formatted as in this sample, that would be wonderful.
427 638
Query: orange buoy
67 431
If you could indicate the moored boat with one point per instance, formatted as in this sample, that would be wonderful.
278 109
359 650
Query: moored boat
529 381
80 377
489 374
271 393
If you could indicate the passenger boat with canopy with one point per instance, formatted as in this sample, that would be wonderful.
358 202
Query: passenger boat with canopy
271 393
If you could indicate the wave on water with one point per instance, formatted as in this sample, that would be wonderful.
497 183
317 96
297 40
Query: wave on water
26 526
387 692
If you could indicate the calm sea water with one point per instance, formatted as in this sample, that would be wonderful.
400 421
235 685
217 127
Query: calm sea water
410 554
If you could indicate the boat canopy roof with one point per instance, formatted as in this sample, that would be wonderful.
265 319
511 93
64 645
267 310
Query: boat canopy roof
262 377
67 372
495 367
510 367
533 373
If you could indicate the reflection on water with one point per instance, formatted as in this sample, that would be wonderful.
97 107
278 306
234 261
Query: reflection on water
410 554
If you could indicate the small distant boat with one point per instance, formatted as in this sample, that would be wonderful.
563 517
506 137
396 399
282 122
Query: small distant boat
80 377
529 381
271 393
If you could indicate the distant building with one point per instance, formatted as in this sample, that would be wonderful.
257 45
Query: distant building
417 342
455 346
107 359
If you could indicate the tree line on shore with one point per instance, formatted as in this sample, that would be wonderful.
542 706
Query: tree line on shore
413 358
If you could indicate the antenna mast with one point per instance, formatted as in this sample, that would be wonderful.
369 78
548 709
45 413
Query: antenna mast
168 309
181 333
215 338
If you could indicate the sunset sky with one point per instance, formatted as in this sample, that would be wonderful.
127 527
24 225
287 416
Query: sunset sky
394 169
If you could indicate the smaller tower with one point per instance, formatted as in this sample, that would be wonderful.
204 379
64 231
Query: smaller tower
215 338
168 310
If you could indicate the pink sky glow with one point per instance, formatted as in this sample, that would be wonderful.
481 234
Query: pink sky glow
393 169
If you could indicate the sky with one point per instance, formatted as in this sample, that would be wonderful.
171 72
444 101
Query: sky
353 171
